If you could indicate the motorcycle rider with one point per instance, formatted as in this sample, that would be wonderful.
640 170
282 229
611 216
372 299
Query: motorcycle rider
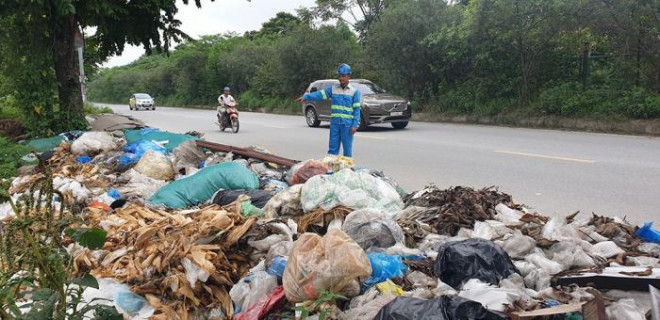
225 100
345 116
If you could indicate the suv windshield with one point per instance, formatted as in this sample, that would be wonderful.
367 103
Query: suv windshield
368 87
142 96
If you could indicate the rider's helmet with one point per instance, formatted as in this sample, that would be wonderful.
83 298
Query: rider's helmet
344 69
227 88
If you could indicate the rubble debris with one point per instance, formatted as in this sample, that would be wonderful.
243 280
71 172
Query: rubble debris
348 242
455 208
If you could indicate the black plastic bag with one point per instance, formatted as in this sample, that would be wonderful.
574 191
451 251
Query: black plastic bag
257 197
458 262
440 308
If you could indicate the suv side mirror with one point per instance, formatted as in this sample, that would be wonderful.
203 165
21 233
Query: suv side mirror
313 89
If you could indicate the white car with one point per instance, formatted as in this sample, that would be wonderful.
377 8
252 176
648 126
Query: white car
141 101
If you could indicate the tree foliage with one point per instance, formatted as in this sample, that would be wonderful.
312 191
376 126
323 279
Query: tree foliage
37 49
484 57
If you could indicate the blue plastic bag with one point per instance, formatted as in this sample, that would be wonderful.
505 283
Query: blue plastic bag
136 150
648 234
129 301
384 267
277 267
114 194
83 159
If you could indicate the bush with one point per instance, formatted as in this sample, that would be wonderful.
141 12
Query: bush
252 101
10 157
90 109
569 100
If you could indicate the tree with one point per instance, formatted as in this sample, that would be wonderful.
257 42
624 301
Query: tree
51 28
369 12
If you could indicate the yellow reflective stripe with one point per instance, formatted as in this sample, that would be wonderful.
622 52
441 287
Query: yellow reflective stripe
325 96
342 108
341 115
356 105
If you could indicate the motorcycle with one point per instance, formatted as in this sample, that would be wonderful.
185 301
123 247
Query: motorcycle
228 118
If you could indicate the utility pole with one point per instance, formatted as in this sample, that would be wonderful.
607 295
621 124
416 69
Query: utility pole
79 44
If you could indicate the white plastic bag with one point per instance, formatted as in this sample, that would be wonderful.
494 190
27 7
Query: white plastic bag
625 309
538 279
372 228
75 188
113 293
541 261
519 245
356 190
571 254
507 215
139 185
492 297
607 249
194 272
93 142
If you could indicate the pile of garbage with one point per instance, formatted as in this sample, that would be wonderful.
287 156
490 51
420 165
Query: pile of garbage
194 232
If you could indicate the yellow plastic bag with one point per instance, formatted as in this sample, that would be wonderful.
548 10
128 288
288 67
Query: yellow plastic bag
390 288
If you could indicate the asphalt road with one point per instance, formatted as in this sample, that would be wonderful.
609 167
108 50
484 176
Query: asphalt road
553 172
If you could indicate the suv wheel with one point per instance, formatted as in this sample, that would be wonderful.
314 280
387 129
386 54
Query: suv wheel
312 118
399 125
363 124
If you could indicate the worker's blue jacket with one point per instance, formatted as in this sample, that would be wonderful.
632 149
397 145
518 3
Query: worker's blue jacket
345 103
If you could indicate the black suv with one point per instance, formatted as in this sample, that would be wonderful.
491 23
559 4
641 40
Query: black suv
377 105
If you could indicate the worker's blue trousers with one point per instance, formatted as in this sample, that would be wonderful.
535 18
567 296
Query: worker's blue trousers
340 134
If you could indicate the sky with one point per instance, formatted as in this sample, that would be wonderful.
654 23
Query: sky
216 17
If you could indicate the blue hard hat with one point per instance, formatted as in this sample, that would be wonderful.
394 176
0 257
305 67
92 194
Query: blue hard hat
227 88
344 69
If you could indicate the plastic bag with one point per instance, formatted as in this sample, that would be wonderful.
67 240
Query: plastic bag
607 249
119 295
187 155
351 189
93 142
258 198
519 245
259 309
301 172
371 228
83 159
275 186
277 267
155 165
263 171
489 230
171 140
507 215
420 280
648 234
655 302
570 254
249 210
538 279
458 262
66 185
625 309
338 163
441 308
334 262
46 144
140 185
201 186
383 268
285 203
556 229
492 297
389 288
368 310
541 261
135 151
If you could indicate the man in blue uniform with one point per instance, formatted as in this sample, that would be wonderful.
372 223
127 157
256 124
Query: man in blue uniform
345 116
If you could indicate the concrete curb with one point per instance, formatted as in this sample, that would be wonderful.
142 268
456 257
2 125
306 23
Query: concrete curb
635 127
